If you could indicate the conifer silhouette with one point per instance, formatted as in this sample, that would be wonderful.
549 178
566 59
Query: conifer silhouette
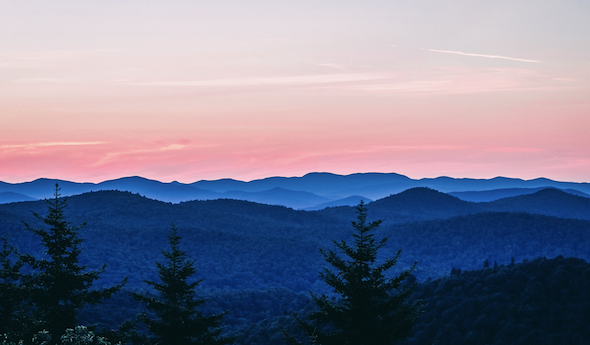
59 286
372 309
178 320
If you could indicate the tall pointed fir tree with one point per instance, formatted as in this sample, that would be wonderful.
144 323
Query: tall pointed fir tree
177 318
59 285
372 308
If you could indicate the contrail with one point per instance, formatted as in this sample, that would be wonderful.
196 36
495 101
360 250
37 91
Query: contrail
481 55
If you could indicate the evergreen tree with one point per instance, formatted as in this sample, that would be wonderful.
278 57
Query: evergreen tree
178 321
59 285
14 322
372 309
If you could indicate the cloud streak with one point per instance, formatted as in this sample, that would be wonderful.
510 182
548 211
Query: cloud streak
113 156
514 149
49 144
266 81
47 80
482 55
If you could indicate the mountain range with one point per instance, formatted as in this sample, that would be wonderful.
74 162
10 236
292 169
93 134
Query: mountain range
423 221
312 191
260 261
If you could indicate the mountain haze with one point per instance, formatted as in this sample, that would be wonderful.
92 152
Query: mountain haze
8 197
495 194
418 204
311 191
244 239
350 201
260 261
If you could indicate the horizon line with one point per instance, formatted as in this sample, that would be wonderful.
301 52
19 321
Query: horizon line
291 177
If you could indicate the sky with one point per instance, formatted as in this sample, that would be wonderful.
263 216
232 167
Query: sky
193 90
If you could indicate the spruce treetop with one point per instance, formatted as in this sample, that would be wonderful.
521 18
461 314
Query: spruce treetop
59 285
177 318
372 309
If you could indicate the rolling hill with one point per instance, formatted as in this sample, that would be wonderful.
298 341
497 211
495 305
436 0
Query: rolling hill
8 197
274 244
495 194
261 260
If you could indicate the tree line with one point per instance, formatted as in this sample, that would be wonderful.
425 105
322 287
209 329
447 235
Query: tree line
244 246
40 297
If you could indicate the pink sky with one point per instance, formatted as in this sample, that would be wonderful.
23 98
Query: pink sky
185 90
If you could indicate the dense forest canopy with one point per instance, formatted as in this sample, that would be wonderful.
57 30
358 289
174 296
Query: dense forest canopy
260 261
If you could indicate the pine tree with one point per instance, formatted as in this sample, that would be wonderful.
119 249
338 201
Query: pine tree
372 309
178 321
59 285
14 321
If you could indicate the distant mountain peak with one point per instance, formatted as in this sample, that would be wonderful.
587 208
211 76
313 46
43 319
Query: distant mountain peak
424 192
422 197
554 192
421 190
130 178
320 174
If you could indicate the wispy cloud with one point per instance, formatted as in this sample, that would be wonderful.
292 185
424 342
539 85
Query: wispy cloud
47 80
269 81
342 66
334 65
481 55
49 144
565 80
462 81
112 156
370 150
424 147
52 55
172 147
42 58
514 149
406 86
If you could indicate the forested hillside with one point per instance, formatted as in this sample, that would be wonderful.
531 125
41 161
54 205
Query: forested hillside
536 302
240 244
260 261
420 203
540 301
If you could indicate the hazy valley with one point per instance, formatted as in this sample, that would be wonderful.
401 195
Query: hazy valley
260 261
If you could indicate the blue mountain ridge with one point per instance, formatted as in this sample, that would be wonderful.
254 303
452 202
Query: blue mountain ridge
350 201
8 197
305 192
261 261
378 185
495 194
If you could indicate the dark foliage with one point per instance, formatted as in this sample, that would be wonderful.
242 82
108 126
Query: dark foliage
177 318
538 302
371 308
464 242
259 260
15 322
58 285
